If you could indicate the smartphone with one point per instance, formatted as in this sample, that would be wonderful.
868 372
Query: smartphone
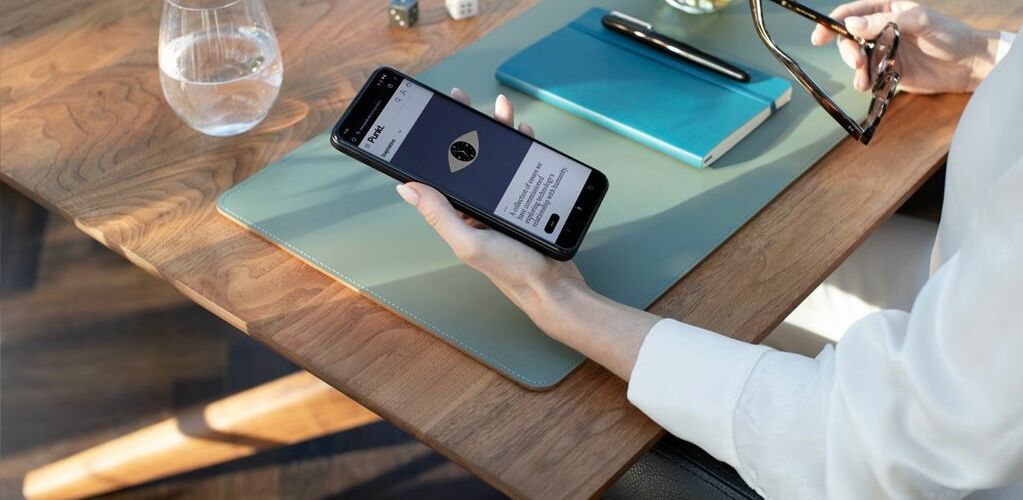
511 182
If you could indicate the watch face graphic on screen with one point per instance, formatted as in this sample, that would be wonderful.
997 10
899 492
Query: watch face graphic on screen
462 152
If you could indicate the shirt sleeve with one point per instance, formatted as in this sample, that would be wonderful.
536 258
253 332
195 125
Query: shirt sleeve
1004 44
919 404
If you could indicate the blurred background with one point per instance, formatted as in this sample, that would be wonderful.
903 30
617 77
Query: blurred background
90 310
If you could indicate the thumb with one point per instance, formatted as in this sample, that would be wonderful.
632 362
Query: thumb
438 212
913 21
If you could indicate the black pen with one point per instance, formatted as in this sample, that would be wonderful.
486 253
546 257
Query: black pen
644 32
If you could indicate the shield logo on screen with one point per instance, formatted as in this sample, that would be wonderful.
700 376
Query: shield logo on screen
462 152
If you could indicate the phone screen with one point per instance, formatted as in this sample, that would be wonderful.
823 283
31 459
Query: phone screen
471 157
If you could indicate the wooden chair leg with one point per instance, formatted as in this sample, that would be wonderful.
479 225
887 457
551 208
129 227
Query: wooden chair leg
288 410
22 225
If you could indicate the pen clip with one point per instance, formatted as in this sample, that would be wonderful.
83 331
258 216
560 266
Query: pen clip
633 20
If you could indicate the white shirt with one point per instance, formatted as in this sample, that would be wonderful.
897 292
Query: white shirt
925 403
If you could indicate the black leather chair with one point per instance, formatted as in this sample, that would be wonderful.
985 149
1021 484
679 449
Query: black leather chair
676 469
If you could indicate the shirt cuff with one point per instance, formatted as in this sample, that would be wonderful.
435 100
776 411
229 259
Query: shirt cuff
1004 44
688 380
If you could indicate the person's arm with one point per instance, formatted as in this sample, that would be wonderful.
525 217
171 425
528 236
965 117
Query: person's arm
918 403
924 404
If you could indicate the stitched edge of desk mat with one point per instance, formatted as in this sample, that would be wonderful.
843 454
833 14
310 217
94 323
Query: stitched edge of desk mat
763 153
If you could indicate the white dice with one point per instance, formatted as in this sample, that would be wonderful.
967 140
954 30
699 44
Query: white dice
462 9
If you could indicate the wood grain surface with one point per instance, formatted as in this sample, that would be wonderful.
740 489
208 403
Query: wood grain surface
85 132
133 352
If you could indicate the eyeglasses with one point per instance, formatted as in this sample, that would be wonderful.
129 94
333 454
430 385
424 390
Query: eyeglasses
884 79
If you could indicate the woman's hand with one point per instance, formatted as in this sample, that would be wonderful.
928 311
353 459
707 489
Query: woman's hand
521 273
552 293
936 53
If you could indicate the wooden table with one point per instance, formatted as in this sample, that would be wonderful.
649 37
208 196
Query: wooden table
86 133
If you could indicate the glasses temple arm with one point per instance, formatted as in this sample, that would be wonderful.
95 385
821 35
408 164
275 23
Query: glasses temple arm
818 18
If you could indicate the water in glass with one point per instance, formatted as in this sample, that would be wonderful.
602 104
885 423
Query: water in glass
220 67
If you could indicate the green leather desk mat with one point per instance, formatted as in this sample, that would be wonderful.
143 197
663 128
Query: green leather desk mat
659 219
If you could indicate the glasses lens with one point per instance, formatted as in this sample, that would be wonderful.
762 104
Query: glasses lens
883 93
881 55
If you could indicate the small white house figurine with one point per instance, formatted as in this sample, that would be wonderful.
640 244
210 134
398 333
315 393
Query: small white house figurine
462 9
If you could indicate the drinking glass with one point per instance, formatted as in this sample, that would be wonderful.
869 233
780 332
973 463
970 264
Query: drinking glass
220 67
698 6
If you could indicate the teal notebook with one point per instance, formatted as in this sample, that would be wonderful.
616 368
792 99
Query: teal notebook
615 82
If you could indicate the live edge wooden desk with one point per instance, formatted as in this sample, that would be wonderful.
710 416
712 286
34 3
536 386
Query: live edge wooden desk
86 133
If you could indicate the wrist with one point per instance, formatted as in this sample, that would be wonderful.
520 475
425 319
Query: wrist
553 301
603 330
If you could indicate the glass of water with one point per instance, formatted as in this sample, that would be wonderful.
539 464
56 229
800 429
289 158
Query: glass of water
220 67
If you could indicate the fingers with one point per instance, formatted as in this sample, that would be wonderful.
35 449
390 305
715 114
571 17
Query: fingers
854 57
861 81
911 18
472 222
851 54
822 35
460 96
464 240
861 8
866 19
504 111
869 27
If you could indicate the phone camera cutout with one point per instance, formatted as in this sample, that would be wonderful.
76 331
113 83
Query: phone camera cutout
552 223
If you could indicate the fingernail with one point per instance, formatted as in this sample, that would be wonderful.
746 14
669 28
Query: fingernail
855 23
408 194
455 90
501 97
